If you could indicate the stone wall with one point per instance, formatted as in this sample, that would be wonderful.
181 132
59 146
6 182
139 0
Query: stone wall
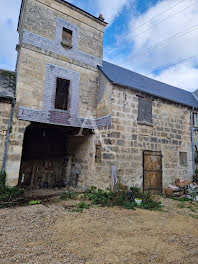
15 149
124 143
40 33
4 120
41 18
32 76
104 96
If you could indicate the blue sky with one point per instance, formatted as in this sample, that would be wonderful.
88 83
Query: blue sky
157 38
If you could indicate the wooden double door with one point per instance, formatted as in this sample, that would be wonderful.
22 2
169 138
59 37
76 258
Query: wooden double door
152 166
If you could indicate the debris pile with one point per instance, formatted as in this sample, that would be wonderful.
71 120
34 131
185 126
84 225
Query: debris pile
182 188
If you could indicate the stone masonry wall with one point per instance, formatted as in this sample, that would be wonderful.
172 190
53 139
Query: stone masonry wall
124 143
31 81
15 142
4 119
41 18
104 96
40 30
15 149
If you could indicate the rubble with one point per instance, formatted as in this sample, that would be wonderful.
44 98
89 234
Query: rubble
182 188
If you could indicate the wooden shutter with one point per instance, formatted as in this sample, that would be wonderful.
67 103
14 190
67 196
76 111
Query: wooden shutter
144 110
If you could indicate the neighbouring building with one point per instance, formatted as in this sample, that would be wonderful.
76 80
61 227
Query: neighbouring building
68 118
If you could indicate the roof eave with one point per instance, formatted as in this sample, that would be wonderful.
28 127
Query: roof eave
83 11
136 89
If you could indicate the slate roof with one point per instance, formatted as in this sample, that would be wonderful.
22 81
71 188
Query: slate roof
7 84
133 80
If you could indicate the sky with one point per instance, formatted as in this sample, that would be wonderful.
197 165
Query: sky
156 38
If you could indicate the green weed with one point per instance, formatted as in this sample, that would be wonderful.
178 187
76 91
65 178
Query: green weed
34 202
67 195
8 195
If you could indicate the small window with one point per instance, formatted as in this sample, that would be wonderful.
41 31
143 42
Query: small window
67 38
62 94
98 155
144 110
195 121
183 158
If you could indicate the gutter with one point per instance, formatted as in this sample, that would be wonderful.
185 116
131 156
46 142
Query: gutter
8 136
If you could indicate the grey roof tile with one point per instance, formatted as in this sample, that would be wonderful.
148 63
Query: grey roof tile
133 80
7 84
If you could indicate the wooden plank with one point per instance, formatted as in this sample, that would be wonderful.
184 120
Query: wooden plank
152 171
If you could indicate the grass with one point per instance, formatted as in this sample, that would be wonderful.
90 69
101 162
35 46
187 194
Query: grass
8 196
122 197
184 199
34 202
67 195
81 206
181 205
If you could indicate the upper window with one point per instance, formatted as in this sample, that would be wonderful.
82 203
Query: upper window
183 158
144 110
62 94
195 121
67 38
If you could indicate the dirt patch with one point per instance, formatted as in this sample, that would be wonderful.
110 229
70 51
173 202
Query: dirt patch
120 236
55 234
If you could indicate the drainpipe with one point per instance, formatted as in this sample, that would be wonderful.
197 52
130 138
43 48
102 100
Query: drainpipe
8 136
193 129
193 148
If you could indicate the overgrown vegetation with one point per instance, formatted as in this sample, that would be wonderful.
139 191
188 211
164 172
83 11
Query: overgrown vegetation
122 197
8 196
67 195
180 199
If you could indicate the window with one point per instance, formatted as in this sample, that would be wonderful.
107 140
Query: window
183 158
98 154
67 38
144 110
195 121
62 94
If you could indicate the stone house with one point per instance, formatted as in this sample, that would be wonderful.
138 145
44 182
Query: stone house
76 120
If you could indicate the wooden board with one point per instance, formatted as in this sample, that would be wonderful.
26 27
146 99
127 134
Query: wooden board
152 171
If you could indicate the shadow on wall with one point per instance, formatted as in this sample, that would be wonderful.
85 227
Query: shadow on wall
52 156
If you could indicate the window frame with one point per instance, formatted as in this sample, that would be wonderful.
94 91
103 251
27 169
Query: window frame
67 95
64 42
181 159
145 121
195 119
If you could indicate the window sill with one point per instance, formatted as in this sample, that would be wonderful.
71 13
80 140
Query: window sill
145 123
66 45
61 110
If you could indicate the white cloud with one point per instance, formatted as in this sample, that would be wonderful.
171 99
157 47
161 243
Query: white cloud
170 52
111 9
183 75
9 12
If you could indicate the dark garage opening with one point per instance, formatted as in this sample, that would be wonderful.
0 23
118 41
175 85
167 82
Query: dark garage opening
51 156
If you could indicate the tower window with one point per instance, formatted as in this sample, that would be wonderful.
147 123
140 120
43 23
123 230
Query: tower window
62 94
67 38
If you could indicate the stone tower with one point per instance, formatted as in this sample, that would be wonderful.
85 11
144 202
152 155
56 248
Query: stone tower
60 48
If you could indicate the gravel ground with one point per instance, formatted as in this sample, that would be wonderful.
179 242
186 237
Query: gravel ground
52 233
